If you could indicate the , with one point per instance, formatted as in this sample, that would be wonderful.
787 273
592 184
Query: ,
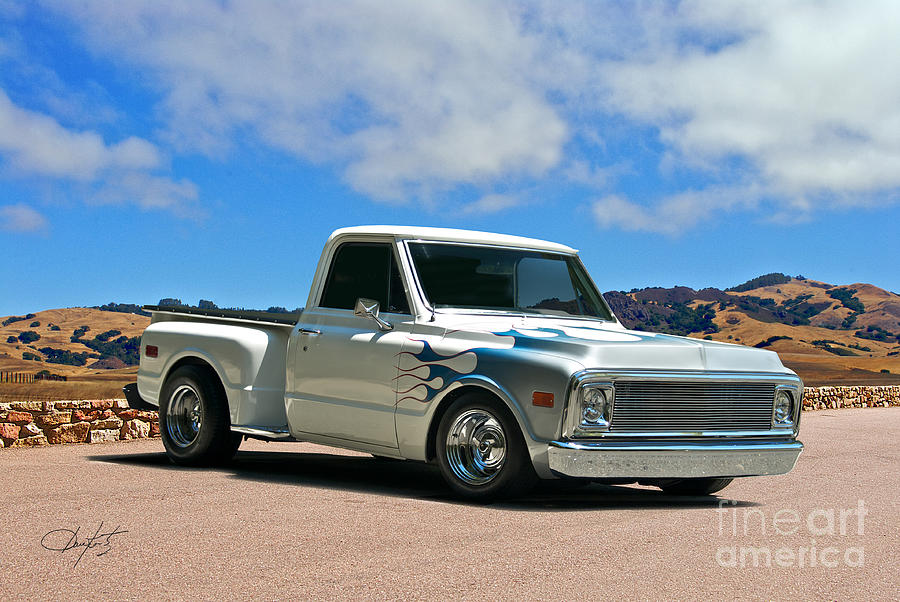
492 356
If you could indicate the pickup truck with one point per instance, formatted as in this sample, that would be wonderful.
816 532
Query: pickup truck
493 356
